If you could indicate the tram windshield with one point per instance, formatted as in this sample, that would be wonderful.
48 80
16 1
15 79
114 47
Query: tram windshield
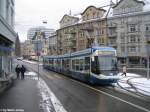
107 63
103 63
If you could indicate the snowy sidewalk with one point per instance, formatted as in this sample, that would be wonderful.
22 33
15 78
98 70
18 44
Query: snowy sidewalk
30 95
134 83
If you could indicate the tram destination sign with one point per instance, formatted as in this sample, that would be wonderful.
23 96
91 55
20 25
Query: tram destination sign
108 53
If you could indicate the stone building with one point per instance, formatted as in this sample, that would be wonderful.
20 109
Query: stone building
124 26
7 37
80 34
38 42
129 29
52 44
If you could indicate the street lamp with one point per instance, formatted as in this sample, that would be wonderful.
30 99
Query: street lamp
37 49
148 53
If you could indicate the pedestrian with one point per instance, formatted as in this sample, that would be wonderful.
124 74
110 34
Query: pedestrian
17 69
23 70
124 70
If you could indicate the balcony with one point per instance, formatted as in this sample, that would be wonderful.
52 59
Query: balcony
112 26
112 35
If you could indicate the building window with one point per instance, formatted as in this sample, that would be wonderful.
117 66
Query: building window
7 10
132 39
132 28
122 37
147 27
132 49
87 16
122 49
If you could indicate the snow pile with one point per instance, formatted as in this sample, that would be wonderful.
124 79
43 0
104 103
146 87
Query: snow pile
49 102
142 85
134 83
31 75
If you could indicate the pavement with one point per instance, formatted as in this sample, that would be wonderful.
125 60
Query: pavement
29 95
5 83
21 97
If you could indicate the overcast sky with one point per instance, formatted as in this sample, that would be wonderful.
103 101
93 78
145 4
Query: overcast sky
31 13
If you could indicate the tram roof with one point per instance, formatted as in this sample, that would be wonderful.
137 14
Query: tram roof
89 50
82 52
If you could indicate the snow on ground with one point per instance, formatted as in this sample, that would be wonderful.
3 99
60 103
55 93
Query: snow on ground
134 83
31 75
48 101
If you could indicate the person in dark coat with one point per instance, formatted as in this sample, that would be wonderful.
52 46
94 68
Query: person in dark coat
23 70
17 69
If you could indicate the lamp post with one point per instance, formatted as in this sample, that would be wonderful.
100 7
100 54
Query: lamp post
148 53
37 49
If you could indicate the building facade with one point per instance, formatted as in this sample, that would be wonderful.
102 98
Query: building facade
37 43
7 37
52 44
129 30
82 34
32 31
124 26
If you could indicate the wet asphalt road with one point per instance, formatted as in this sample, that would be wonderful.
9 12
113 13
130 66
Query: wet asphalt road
79 97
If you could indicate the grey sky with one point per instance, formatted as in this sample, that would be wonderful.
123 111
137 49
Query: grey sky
31 13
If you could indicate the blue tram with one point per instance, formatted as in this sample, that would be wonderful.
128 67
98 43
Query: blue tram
96 65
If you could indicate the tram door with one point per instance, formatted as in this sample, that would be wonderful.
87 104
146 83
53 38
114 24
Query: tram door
95 67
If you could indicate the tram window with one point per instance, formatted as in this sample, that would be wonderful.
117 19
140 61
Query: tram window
77 64
55 62
77 67
63 63
87 63
59 63
73 64
67 63
81 64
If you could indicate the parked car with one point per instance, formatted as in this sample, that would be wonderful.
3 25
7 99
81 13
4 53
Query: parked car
20 58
